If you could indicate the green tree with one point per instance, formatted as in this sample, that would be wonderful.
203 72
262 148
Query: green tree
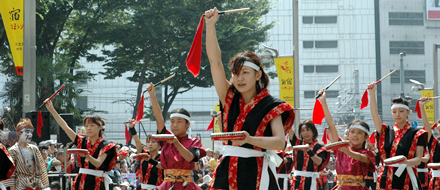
66 30
155 41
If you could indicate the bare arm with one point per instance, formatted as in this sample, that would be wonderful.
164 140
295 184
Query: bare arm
316 159
423 101
426 158
373 107
186 154
160 122
275 142
136 138
97 162
418 158
356 155
214 55
333 133
70 133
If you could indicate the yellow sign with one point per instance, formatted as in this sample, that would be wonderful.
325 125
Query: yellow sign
216 120
429 107
285 71
12 16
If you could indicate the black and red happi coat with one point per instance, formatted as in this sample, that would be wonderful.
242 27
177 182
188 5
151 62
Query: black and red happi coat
149 174
393 141
7 166
434 151
245 173
90 182
303 162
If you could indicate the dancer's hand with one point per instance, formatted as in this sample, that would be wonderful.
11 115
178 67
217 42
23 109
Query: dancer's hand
151 89
131 123
423 101
211 16
173 141
49 105
246 139
371 87
323 95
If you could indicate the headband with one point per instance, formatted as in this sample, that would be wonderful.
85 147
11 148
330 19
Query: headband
251 65
360 127
399 106
179 115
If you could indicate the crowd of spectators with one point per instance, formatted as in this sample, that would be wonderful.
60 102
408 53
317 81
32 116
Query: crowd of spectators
123 174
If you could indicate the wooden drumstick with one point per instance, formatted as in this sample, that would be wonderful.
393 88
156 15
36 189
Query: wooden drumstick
328 86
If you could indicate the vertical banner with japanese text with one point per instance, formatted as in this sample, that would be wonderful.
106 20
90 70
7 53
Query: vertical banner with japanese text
12 15
285 71
217 128
429 107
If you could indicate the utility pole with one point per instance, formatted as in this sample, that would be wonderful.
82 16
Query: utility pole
296 61
402 71
29 56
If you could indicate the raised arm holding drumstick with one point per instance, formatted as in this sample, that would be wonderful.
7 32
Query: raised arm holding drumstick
247 91
400 140
101 156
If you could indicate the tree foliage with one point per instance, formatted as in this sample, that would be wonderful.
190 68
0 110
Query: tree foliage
155 40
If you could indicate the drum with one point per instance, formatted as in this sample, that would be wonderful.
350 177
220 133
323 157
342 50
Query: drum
77 151
162 137
394 160
300 147
239 135
434 166
336 145
141 156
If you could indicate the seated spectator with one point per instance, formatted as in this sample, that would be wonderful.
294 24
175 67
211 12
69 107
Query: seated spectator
214 161
115 174
55 185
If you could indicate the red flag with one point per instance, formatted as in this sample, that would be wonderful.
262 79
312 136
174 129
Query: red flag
364 100
417 109
324 136
434 126
39 123
211 124
127 135
373 138
318 113
195 53
140 112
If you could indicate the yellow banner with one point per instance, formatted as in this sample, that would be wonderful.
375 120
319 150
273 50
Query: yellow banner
285 71
216 120
12 16
429 107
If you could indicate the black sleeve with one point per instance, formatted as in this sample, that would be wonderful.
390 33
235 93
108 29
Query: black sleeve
293 140
164 131
196 153
422 140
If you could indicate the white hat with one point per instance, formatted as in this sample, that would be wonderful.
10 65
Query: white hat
207 179
124 148
126 184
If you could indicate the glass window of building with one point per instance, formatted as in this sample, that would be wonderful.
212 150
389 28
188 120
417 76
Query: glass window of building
410 47
332 93
327 68
81 102
81 74
326 19
309 68
307 44
307 20
418 75
326 44
309 94
405 18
